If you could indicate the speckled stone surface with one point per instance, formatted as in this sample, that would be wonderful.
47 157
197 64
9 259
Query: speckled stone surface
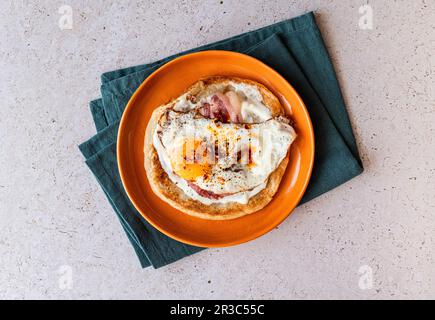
371 238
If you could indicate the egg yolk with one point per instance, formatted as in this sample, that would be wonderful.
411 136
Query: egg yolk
191 171
190 160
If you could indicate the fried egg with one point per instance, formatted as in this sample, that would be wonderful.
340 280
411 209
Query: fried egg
230 162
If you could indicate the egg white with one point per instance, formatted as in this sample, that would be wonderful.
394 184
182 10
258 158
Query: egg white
269 141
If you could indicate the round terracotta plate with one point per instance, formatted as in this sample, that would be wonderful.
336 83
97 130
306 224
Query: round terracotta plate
169 82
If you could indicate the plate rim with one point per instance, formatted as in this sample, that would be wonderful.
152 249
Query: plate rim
123 122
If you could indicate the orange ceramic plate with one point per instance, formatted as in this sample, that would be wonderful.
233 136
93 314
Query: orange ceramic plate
169 82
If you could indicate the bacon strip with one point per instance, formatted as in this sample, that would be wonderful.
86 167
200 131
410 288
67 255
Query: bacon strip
224 107
205 110
234 106
218 107
205 193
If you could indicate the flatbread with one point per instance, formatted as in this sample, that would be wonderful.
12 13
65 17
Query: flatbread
166 190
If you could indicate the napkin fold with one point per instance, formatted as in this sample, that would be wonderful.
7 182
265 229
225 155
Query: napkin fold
295 49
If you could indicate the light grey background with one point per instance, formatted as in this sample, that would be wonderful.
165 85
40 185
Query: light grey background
53 213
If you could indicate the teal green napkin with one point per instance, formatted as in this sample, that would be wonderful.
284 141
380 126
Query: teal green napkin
296 50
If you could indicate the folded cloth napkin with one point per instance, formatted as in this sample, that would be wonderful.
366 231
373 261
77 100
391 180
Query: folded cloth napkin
296 50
